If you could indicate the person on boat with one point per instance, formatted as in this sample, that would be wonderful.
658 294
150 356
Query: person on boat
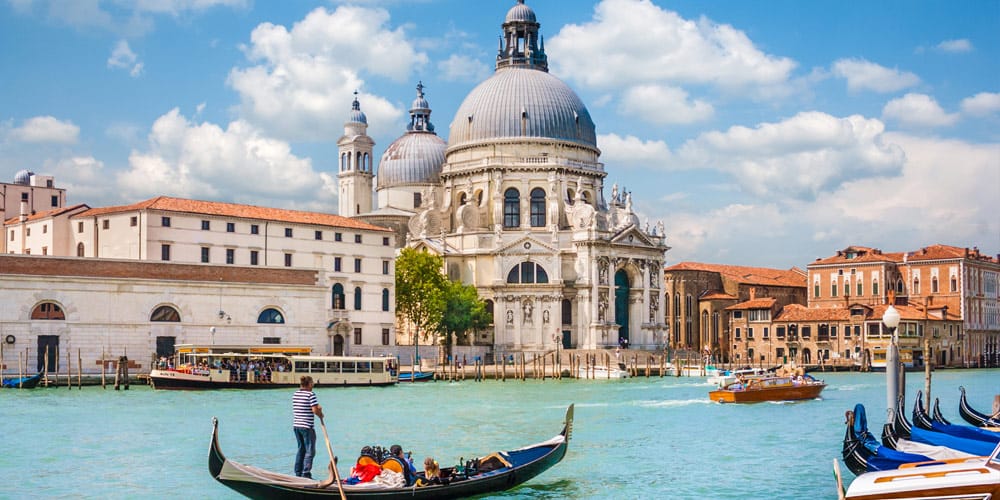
432 473
305 407
409 472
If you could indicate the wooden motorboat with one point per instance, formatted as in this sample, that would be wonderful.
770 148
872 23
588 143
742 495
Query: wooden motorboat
769 389
274 366
974 417
963 478
29 382
728 377
512 468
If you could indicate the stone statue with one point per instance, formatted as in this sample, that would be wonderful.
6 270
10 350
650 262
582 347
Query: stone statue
510 317
628 202
527 307
545 316
659 228
602 307
614 193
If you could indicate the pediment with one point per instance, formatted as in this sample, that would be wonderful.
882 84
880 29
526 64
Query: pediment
526 245
632 236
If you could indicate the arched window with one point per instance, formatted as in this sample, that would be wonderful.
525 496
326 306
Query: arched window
271 315
511 208
527 272
916 286
367 163
338 298
688 301
165 314
677 305
537 207
899 286
489 310
567 312
357 298
385 299
48 310
79 250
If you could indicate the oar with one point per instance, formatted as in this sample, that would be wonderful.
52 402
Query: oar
333 465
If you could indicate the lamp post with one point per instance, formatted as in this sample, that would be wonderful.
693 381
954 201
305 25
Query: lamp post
891 320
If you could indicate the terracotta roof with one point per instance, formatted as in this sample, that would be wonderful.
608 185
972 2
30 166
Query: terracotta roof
47 213
181 205
933 252
859 254
939 252
717 295
747 275
800 313
763 303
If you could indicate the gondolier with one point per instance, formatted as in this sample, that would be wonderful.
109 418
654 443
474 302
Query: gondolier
304 407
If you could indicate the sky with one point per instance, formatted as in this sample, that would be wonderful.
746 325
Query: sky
760 133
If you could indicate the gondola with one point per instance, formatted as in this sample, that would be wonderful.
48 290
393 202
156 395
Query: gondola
515 467
937 415
405 376
902 429
863 453
922 420
974 417
23 382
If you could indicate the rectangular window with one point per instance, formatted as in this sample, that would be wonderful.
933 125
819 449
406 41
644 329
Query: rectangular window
288 232
385 267
45 250
27 231
416 200
12 236
847 289
767 332
357 265
164 252
357 336
204 255
79 227
737 335
816 290
230 227
357 238
133 221
319 235
288 260
254 229
253 257
833 289
737 314
206 225
336 264
385 241
806 332
230 256
861 289
833 331
272 340
165 221
385 336
106 224
781 332
750 333
875 288
55 201
45 228
338 237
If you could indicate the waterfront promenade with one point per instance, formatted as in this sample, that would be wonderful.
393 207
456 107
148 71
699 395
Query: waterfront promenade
637 438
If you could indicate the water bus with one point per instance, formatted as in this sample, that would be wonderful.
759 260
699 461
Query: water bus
265 367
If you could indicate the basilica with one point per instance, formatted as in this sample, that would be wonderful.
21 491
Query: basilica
514 202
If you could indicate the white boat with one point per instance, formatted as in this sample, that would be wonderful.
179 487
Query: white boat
964 478
699 371
599 372
729 377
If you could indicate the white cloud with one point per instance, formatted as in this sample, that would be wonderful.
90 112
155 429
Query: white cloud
463 69
800 157
46 129
123 57
663 105
955 46
864 75
918 110
632 151
638 43
205 161
83 177
302 87
981 104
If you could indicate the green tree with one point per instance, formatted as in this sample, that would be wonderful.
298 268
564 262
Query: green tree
421 289
464 313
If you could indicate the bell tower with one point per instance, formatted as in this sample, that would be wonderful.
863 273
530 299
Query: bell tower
354 175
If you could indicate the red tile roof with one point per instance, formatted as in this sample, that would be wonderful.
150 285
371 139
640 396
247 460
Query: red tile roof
181 205
47 213
717 295
747 275
763 303
859 255
800 313
941 252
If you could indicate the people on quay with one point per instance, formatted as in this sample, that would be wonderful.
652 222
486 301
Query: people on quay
305 407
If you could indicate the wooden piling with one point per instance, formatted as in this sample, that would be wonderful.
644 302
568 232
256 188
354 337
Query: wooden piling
20 371
45 369
104 362
69 369
79 370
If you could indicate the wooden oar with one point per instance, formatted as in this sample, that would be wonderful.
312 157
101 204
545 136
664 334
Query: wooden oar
333 464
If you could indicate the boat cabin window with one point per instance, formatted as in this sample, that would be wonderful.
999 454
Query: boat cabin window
317 367
302 366
333 366
348 366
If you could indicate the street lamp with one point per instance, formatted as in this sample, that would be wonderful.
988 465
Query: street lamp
891 320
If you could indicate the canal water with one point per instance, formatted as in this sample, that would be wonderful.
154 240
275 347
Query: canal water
637 438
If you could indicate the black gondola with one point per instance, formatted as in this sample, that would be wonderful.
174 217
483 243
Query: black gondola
920 417
521 465
23 382
863 453
903 429
937 415
974 417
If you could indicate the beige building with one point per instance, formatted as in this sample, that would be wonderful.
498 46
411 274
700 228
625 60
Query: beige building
28 195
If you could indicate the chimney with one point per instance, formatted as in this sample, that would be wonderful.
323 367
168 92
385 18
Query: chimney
24 211
753 293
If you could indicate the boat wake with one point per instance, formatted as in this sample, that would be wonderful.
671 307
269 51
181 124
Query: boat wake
671 403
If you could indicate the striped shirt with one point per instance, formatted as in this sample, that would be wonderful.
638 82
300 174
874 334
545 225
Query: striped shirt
302 404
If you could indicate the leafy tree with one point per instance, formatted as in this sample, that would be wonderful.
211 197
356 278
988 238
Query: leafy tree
421 289
464 313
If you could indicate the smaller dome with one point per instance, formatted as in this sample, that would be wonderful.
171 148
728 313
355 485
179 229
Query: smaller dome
357 116
23 177
520 13
420 103
414 158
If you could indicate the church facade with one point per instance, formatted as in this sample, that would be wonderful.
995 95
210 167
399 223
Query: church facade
514 202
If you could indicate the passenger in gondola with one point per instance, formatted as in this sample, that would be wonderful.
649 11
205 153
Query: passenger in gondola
409 471
432 473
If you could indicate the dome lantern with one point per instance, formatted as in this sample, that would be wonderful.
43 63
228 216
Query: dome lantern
520 45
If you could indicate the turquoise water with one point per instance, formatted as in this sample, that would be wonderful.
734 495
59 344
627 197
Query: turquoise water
638 438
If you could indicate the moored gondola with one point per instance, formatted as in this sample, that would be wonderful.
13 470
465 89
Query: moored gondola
862 452
902 429
974 417
515 467
920 417
937 415
23 382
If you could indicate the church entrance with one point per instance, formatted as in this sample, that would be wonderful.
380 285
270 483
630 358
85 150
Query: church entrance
621 304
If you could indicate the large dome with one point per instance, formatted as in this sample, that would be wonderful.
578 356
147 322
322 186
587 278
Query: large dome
414 158
522 102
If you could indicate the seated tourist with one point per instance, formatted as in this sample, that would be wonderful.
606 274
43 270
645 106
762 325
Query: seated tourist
432 472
